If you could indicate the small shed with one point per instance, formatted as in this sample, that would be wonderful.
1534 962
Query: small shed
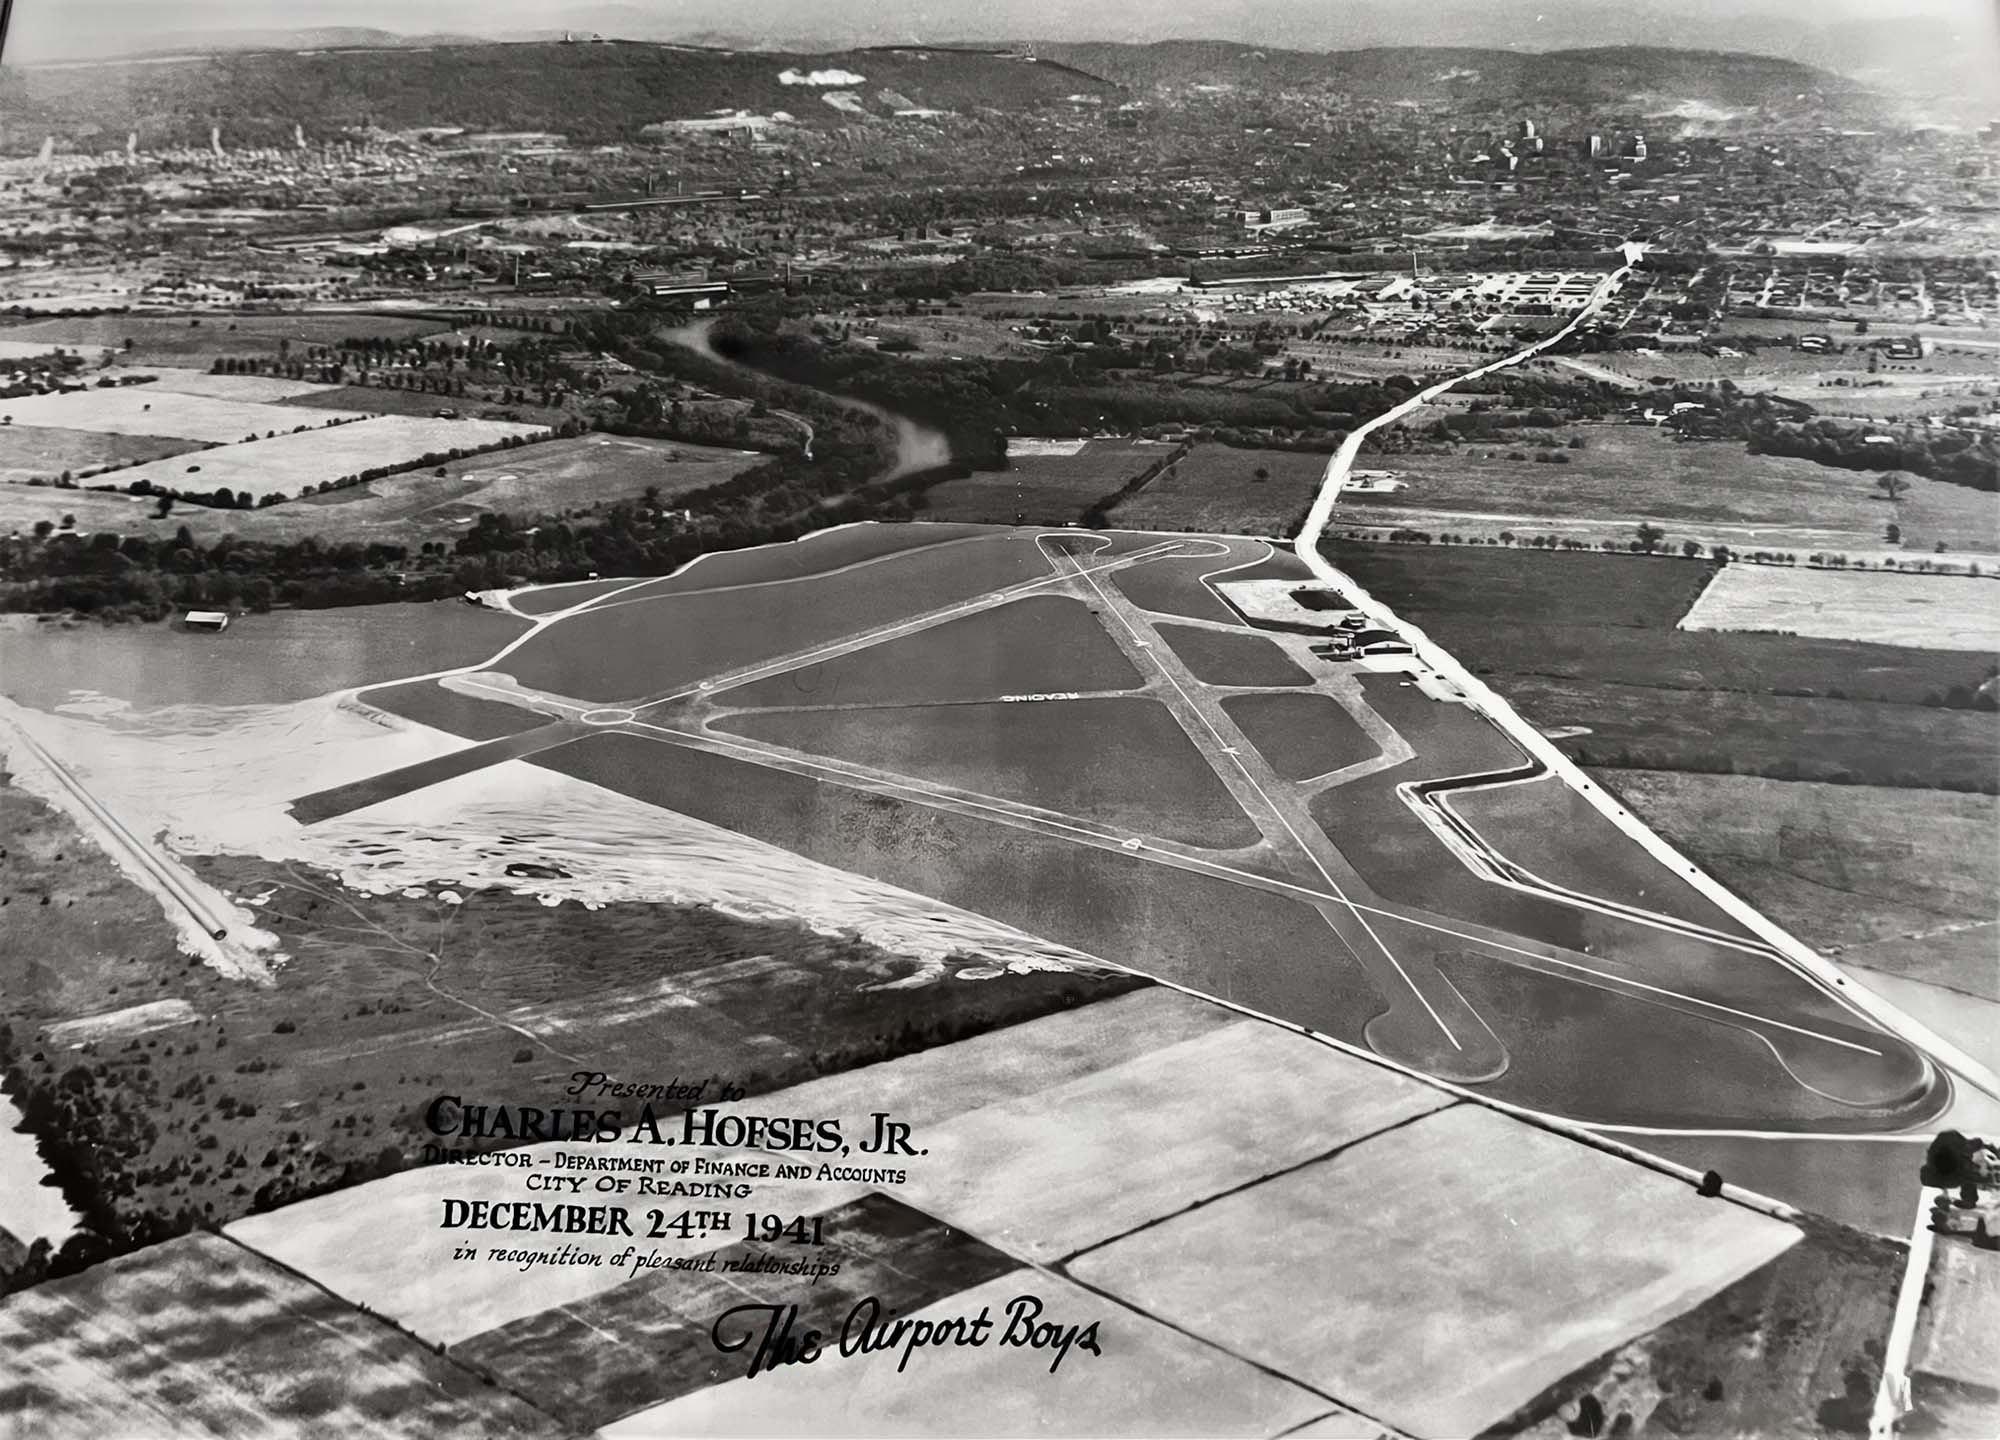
207 620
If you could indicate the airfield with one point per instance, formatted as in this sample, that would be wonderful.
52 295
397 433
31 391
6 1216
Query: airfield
1118 742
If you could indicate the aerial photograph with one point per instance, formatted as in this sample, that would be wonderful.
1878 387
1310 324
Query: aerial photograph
873 717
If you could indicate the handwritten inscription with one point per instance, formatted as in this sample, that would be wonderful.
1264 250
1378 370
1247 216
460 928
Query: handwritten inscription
779 1339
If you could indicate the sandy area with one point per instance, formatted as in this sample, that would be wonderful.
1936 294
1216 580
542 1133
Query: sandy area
152 410
1930 612
29 1210
183 380
219 779
29 349
1030 445
244 952
1272 600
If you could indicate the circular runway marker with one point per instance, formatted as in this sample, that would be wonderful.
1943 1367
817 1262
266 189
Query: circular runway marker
608 716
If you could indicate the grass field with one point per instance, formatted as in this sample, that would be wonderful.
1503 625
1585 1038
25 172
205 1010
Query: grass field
1783 736
150 410
1043 488
429 703
1791 1351
1035 646
198 340
1119 761
1557 1032
1936 382
21 506
883 1249
1553 832
268 659
1897 880
96 936
613 652
557 476
380 400
1173 587
1443 1327
1301 735
1182 926
1714 491
114 1351
287 464
30 452
1575 639
279 1089
547 599
816 553
1925 611
1215 488
1533 587
1216 658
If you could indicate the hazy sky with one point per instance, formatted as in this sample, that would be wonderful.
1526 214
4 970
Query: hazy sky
1820 30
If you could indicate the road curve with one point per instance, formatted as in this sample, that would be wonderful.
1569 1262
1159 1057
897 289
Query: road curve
1531 740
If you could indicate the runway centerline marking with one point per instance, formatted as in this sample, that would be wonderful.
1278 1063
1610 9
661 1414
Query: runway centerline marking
754 754
1091 580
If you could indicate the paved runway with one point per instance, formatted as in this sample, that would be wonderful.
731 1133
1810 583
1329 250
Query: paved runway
1405 888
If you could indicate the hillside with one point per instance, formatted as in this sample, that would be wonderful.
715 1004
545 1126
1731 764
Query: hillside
597 93
590 92
1623 76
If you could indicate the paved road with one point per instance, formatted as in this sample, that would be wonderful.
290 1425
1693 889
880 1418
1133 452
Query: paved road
1307 547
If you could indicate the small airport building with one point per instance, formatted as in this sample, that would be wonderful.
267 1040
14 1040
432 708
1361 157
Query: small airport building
1360 644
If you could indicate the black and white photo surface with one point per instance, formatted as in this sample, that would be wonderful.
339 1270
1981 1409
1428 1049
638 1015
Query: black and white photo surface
806 717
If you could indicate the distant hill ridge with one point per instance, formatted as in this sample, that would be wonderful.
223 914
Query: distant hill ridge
591 92
601 92
1606 73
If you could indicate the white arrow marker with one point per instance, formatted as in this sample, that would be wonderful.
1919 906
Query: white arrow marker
1134 844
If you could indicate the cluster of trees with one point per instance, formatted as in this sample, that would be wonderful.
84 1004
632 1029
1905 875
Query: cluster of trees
96 1136
1646 539
1070 393
1942 454
788 495
134 577
426 366
644 409
91 1143
1771 425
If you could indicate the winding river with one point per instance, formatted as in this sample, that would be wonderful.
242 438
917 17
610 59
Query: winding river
918 446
